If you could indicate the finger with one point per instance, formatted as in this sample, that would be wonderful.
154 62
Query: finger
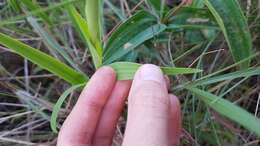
187 2
148 109
79 127
174 121
110 114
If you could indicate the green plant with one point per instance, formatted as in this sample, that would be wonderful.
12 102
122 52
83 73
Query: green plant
139 31
91 33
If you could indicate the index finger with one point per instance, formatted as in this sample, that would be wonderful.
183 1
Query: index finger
79 127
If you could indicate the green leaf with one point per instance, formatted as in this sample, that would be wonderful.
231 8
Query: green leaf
230 76
132 33
158 6
50 41
32 5
52 7
43 60
192 18
155 4
229 110
93 14
82 27
197 3
233 24
14 4
115 9
58 105
126 70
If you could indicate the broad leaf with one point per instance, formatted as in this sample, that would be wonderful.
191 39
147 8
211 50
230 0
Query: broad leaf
43 60
132 33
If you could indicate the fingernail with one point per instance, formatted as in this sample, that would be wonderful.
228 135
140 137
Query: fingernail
151 72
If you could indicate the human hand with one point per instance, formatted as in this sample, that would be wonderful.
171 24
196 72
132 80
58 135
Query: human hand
153 114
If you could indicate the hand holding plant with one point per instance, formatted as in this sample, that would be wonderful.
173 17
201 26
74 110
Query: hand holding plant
153 114
207 39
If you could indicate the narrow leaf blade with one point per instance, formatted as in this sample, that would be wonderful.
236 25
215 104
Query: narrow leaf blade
15 5
230 76
126 70
50 41
82 27
43 60
32 6
93 15
229 110
57 106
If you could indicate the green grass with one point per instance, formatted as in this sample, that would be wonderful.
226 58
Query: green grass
209 50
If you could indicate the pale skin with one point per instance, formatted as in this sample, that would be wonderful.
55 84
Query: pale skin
187 2
153 117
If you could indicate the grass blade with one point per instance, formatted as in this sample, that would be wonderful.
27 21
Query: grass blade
229 110
50 42
158 6
43 60
58 105
93 15
126 70
115 9
82 27
232 22
230 76
32 5
197 3
15 5
53 7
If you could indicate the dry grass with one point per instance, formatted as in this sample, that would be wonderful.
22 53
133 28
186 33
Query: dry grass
27 93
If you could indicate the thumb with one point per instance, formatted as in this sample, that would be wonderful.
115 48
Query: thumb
148 109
